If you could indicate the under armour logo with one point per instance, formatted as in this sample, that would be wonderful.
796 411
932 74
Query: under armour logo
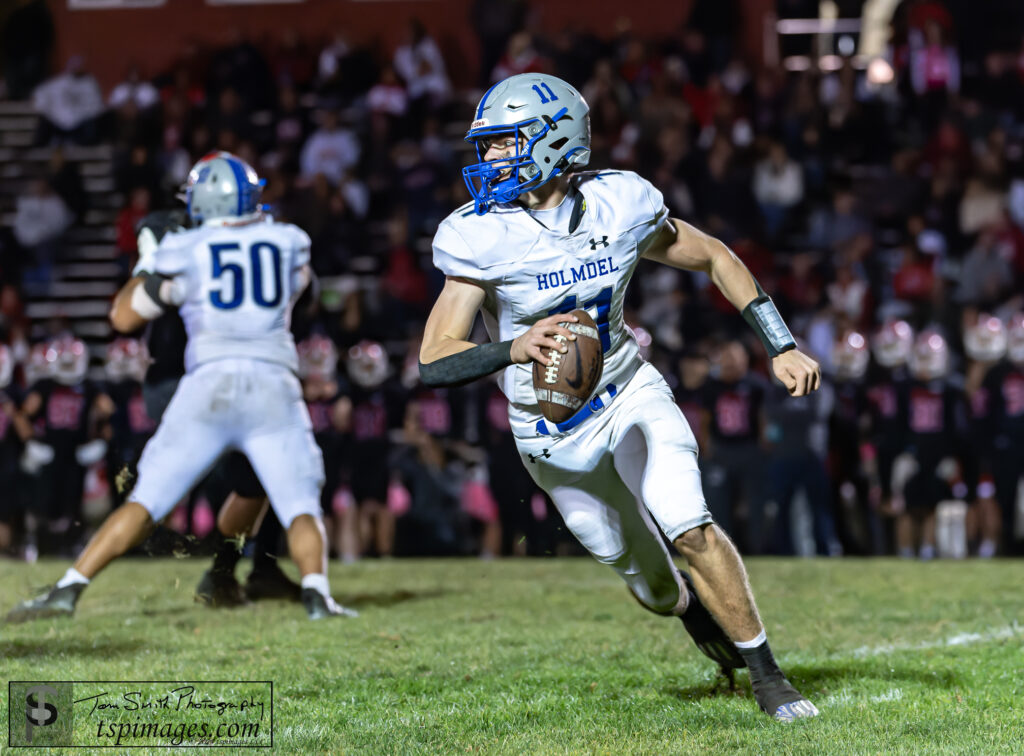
534 457
603 242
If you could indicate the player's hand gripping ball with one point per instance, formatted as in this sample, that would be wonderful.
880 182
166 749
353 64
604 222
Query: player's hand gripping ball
565 381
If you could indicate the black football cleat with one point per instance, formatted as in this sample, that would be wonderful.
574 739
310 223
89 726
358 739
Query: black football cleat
220 590
270 582
319 606
57 602
780 700
707 633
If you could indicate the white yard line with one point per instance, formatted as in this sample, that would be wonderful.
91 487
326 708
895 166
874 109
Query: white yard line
846 697
962 639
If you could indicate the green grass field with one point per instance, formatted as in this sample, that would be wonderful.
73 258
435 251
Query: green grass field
552 656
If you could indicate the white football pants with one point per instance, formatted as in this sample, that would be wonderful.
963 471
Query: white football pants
621 479
251 406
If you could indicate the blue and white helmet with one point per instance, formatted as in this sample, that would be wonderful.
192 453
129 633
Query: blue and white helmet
222 185
552 121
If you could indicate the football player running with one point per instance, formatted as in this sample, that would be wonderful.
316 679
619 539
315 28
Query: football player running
235 278
540 239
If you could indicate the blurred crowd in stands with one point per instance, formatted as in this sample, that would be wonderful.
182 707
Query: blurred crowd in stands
881 205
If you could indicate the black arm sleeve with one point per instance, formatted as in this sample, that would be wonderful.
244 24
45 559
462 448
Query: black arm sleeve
763 316
152 282
459 369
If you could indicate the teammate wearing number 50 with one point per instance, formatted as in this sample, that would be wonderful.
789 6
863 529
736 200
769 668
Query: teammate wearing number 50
235 278
540 239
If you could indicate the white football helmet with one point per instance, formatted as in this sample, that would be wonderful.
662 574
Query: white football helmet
550 123
850 356
41 365
1015 338
70 358
318 358
893 343
986 340
930 357
222 185
127 358
367 364
6 366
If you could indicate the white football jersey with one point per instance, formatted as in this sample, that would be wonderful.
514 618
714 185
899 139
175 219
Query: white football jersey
531 267
240 282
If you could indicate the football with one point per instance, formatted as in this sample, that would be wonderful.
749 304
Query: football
563 387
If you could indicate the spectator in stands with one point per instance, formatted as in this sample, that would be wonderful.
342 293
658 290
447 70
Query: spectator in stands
832 227
345 70
934 72
420 64
494 22
70 106
986 277
849 296
228 112
240 66
40 218
388 97
778 188
135 90
330 150
136 169
293 61
520 57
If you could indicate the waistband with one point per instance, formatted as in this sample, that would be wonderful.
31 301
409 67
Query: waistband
598 403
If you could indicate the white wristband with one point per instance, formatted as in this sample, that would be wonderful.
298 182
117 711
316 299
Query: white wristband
144 305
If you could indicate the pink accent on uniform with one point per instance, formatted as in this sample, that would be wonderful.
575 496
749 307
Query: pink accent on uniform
342 501
399 500
539 507
203 519
478 501
178 521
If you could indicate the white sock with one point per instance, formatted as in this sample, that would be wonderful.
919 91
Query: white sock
318 582
71 577
761 638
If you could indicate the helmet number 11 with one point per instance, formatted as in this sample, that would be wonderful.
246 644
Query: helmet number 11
544 100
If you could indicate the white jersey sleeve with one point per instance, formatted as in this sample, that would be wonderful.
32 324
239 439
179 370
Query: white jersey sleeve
650 216
475 247
302 258
452 254
174 255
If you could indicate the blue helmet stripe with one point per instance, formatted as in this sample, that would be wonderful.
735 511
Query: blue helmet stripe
241 179
483 100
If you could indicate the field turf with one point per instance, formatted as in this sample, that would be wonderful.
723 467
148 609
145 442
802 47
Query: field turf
552 656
